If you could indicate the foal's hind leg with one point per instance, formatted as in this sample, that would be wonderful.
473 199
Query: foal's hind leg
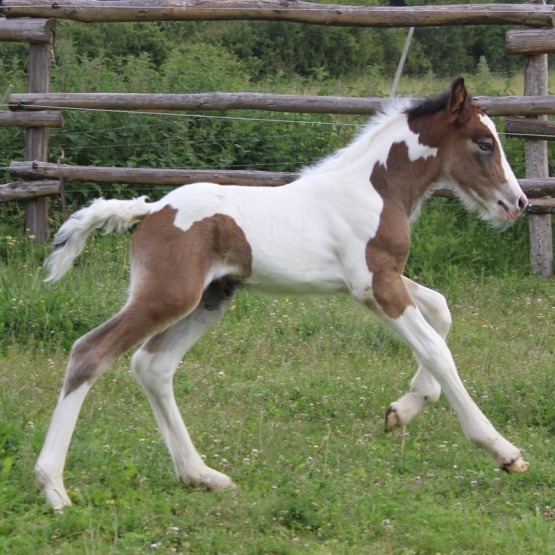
154 365
90 357
424 388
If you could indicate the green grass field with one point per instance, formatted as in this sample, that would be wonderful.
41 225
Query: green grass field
288 397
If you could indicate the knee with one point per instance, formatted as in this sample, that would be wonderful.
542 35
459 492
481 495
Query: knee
140 363
151 370
440 315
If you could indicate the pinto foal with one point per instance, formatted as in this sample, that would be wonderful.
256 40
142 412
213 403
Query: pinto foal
342 227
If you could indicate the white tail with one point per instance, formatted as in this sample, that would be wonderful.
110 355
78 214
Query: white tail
71 237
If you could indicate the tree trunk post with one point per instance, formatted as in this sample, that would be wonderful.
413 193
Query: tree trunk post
541 242
36 141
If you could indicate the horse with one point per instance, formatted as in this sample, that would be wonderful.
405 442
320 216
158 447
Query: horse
343 227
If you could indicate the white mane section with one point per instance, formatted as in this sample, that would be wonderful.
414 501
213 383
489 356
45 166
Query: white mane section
361 144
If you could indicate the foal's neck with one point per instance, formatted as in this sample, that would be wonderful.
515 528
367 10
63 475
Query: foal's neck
410 170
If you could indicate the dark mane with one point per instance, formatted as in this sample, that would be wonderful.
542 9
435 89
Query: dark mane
429 106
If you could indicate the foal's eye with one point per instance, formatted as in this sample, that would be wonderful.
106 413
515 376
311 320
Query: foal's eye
485 146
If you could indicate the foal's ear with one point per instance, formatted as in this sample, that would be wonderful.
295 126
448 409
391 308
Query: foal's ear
458 101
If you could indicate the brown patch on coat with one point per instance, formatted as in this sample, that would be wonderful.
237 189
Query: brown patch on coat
387 252
169 270
386 255
171 265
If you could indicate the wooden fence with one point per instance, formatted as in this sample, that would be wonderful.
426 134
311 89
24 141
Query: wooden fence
33 21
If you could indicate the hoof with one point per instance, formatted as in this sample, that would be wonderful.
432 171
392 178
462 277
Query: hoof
391 419
57 499
518 465
209 479
221 484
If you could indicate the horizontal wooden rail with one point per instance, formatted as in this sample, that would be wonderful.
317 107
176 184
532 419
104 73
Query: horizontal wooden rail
530 128
200 101
530 41
538 186
31 119
494 106
176 177
517 105
541 206
154 176
25 190
284 10
27 30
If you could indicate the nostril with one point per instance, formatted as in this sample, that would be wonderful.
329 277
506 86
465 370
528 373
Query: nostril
522 202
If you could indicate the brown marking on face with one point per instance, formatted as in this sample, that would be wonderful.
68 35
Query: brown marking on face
169 269
473 168
457 143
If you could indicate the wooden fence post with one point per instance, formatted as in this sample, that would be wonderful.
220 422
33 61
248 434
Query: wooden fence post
36 141
541 241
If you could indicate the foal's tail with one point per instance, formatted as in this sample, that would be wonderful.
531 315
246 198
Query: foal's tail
71 237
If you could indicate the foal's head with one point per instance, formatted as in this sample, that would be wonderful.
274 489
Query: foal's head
472 158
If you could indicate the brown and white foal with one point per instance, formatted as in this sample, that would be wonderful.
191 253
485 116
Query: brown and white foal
342 227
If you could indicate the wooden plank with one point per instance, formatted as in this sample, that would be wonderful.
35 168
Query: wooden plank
530 41
531 105
200 101
541 237
24 190
31 119
541 207
154 176
36 141
284 10
494 106
538 187
27 30
532 129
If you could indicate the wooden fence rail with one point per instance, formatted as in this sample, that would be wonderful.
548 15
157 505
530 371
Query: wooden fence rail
530 41
530 128
31 119
176 177
494 106
27 30
284 10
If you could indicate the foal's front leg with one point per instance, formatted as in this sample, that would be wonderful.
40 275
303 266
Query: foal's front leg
395 306
424 388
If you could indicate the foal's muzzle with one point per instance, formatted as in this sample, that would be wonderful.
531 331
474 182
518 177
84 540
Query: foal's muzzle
511 212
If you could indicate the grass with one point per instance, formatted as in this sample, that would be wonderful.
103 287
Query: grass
287 396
